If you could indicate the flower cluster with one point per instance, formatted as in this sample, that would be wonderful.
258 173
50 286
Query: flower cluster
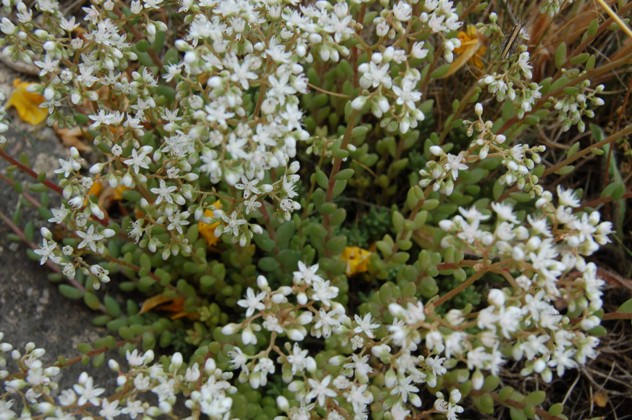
519 160
540 257
207 388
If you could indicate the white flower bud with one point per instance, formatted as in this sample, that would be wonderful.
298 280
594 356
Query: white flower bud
49 93
477 380
176 360
45 408
359 102
381 351
96 168
496 297
547 375
47 234
301 298
262 283
310 364
517 254
295 335
190 57
128 181
230 329
478 109
305 318
278 298
337 360
539 366
96 211
282 403
590 323
248 337
6 26
436 150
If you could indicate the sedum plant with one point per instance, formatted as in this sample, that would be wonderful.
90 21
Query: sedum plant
311 209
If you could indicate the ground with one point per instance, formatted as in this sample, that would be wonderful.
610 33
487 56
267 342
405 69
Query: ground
31 307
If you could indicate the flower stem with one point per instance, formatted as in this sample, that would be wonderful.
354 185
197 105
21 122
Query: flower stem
621 133
29 171
461 287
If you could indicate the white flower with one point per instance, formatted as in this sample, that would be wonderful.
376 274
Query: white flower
365 325
455 164
248 186
89 238
323 291
320 390
406 390
523 63
374 75
252 302
402 11
300 361
109 410
139 159
86 391
47 252
164 192
306 275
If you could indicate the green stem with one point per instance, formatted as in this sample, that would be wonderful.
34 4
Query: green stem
461 287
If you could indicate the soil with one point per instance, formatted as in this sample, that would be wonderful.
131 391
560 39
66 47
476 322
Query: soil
31 307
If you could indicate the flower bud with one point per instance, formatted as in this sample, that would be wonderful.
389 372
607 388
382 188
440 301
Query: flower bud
47 234
478 109
176 360
496 297
282 403
477 380
295 335
230 329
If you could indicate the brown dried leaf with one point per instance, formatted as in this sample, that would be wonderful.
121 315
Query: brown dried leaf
600 399
72 137
167 304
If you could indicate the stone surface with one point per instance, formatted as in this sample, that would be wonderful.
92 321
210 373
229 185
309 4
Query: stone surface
31 307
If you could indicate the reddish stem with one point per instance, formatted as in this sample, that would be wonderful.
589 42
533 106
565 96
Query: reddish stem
29 171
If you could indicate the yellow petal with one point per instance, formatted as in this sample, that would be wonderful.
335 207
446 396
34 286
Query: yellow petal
118 192
208 230
96 188
357 260
27 103
470 51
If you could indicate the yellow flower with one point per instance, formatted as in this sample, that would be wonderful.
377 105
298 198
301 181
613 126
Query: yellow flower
472 49
208 230
96 188
27 103
472 45
357 260
104 195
